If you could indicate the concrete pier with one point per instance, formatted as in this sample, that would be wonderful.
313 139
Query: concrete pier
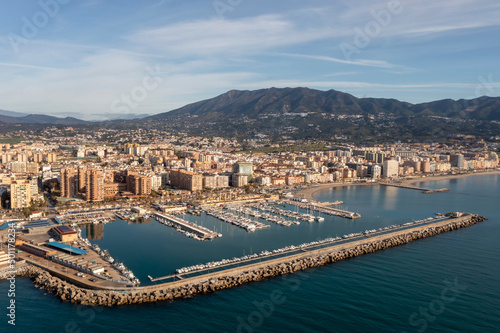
324 209
411 187
195 229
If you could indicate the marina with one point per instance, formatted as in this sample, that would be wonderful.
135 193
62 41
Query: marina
127 276
247 210
263 255
226 216
297 259
271 207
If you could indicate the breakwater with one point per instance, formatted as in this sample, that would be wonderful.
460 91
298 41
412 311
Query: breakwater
411 187
233 277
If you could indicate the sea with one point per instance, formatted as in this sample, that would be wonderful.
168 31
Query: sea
446 283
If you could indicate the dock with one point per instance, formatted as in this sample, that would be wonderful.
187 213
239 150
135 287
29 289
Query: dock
199 231
322 208
411 187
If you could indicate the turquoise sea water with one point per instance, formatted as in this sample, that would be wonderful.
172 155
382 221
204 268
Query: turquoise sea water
447 283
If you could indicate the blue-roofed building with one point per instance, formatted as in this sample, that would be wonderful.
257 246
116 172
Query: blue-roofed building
67 248
5 225
38 223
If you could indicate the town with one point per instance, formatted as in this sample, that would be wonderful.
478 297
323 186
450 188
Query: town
59 181
59 169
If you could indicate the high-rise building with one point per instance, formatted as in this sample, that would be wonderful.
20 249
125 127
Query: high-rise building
69 183
239 180
244 168
18 167
426 166
155 182
138 184
22 158
374 171
32 167
6 158
38 157
95 185
391 168
20 195
375 157
33 186
187 180
82 178
135 149
52 157
457 161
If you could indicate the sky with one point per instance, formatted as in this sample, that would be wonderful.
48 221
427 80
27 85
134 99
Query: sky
102 58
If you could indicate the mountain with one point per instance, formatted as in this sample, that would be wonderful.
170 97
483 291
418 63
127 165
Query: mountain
40 119
297 113
126 116
300 113
97 117
12 113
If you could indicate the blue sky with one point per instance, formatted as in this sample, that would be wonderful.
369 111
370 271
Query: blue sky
94 57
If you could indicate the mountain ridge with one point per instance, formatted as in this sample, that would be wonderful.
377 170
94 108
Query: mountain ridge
309 113
303 113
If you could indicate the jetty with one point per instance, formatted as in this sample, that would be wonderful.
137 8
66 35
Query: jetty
325 209
411 187
199 232
253 271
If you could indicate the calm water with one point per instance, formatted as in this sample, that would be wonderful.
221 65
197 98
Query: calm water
404 289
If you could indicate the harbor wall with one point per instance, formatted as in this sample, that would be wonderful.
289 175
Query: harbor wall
237 276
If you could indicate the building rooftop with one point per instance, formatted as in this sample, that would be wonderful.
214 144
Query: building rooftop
64 230
67 248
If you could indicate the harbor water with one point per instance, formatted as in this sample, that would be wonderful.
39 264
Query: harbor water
446 283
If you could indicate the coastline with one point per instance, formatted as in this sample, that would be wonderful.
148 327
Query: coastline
308 193
445 177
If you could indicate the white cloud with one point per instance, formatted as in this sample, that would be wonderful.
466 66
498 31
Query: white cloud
426 17
28 66
358 62
226 37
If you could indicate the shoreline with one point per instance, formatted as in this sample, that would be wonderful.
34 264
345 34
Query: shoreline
446 177
308 193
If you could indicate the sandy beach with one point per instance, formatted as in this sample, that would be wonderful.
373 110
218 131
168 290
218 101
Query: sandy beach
308 193
436 178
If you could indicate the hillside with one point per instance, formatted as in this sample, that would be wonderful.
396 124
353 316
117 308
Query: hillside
308 113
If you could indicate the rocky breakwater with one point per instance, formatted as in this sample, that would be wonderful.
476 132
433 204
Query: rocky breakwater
235 277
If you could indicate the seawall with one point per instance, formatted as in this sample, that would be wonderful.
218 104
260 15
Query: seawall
233 277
